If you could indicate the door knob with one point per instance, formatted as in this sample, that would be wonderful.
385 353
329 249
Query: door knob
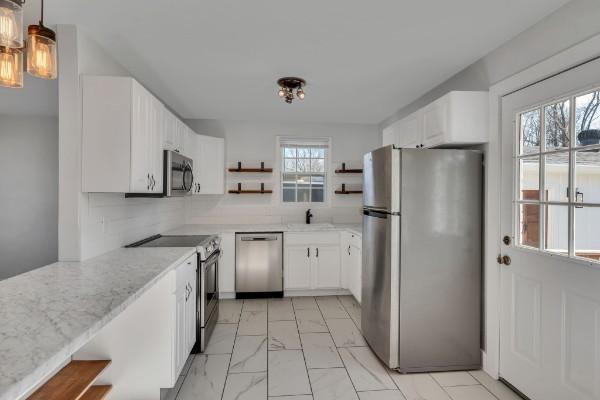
503 259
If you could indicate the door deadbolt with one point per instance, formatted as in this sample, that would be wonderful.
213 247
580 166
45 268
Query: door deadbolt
506 240
503 259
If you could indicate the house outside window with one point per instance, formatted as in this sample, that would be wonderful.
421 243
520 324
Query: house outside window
304 169
557 197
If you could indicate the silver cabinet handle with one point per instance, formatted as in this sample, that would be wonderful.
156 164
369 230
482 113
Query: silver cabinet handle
317 255
308 252
348 250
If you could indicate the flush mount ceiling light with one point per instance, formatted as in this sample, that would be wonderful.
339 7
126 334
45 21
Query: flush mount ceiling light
41 50
288 85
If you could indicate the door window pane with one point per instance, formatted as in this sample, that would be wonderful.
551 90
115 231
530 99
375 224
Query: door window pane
587 177
557 229
530 178
529 218
587 239
557 125
587 119
530 126
557 176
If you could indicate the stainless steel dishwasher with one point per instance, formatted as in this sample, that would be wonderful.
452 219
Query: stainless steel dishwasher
259 264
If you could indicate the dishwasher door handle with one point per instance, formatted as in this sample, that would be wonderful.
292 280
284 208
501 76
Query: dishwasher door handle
259 239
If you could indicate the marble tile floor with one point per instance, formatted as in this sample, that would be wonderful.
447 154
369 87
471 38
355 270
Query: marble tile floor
307 348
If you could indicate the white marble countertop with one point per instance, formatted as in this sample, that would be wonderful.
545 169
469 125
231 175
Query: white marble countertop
202 229
49 313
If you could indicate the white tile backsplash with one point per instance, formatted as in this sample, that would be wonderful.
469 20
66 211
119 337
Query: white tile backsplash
110 221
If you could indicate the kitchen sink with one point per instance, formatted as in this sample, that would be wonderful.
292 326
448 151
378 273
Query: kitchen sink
324 225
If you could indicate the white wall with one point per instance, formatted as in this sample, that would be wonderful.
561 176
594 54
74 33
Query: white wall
571 24
92 224
252 142
28 194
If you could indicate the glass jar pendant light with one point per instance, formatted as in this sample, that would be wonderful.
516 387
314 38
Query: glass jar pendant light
41 50
11 67
11 24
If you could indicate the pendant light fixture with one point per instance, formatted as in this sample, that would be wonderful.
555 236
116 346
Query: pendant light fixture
11 24
11 67
41 50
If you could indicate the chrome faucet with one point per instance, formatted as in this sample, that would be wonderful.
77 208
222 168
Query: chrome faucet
308 216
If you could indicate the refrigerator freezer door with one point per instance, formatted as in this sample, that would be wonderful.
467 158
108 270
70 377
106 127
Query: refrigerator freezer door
381 179
380 284
441 260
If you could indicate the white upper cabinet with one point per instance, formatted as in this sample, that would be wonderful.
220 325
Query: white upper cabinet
458 118
121 137
209 164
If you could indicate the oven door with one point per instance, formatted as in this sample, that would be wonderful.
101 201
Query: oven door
210 288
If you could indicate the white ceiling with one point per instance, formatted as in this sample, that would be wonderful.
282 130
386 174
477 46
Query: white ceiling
363 60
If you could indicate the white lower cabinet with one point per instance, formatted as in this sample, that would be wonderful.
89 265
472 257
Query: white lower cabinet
312 261
185 314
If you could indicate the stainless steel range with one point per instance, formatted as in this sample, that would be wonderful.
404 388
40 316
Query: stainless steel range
208 248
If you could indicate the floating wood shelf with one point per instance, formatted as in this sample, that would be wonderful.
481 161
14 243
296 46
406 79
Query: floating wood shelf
343 170
96 392
262 168
262 190
344 191
73 382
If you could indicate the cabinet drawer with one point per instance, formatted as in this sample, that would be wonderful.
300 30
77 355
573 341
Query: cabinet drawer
184 273
312 238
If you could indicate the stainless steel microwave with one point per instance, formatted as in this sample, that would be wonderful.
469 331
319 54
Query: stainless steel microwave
178 174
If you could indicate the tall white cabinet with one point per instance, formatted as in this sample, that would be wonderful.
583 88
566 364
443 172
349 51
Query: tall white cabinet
124 132
121 136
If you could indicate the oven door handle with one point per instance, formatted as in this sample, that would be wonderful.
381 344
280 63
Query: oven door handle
259 239
212 257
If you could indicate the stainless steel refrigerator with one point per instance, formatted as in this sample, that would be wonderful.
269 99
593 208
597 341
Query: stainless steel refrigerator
421 272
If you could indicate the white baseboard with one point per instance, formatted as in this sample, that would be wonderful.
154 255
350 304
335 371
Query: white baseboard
316 292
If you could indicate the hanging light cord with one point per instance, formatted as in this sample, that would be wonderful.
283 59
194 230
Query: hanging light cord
42 14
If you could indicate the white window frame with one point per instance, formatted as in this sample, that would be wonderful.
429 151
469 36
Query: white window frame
327 190
542 201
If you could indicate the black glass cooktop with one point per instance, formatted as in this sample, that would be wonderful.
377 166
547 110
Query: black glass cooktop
172 241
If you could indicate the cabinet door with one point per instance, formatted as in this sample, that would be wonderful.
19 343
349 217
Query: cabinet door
227 264
155 149
191 310
355 281
326 266
410 134
180 331
141 139
435 122
211 165
170 130
297 267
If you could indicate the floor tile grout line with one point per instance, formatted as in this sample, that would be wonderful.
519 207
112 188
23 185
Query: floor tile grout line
304 355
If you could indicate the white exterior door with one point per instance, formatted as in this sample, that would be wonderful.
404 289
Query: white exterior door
550 291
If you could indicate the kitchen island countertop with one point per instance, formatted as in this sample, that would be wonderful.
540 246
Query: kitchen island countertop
49 313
